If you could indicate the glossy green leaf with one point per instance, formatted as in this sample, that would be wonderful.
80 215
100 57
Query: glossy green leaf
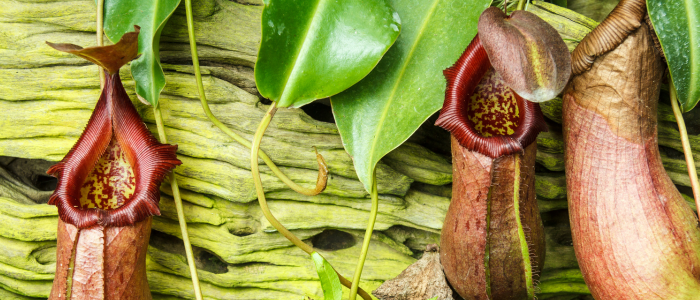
677 24
330 283
317 48
380 112
434 298
120 16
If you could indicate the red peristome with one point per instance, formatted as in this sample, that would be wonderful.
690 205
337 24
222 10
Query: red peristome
462 80
114 120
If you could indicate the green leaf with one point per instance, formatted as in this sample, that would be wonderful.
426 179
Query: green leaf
561 3
677 24
120 16
330 283
318 48
384 109
434 298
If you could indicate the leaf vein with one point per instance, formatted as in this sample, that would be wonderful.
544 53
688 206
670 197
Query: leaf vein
385 112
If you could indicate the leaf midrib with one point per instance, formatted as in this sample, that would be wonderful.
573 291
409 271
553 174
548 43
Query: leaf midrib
404 65
694 58
304 45
153 64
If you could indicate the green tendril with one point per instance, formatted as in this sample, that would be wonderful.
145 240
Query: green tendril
180 212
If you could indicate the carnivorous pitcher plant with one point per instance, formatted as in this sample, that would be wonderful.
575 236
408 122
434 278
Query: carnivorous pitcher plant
108 189
492 243
633 233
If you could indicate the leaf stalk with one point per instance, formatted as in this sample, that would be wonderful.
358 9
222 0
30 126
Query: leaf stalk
692 172
323 169
178 208
255 150
368 237
521 5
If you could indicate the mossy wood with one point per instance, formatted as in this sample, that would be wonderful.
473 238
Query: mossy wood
46 98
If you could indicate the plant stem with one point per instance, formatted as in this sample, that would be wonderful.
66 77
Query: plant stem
254 151
180 212
258 182
368 237
692 172
521 5
100 36
322 172
322 168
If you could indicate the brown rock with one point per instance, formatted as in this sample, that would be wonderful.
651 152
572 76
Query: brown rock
422 280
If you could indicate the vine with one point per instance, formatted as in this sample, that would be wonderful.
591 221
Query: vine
257 152
367 239
692 172
178 208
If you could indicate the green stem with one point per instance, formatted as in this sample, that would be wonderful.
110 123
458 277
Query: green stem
692 172
322 168
368 238
254 151
100 36
180 212
258 182
521 5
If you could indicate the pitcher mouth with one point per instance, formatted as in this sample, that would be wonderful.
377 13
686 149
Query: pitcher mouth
111 183
112 174
493 109
482 112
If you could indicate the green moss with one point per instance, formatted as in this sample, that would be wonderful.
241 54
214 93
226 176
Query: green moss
552 109
37 257
547 205
34 228
551 142
20 274
553 162
30 288
7 295
551 186
421 164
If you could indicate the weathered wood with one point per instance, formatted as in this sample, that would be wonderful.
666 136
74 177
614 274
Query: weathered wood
46 98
